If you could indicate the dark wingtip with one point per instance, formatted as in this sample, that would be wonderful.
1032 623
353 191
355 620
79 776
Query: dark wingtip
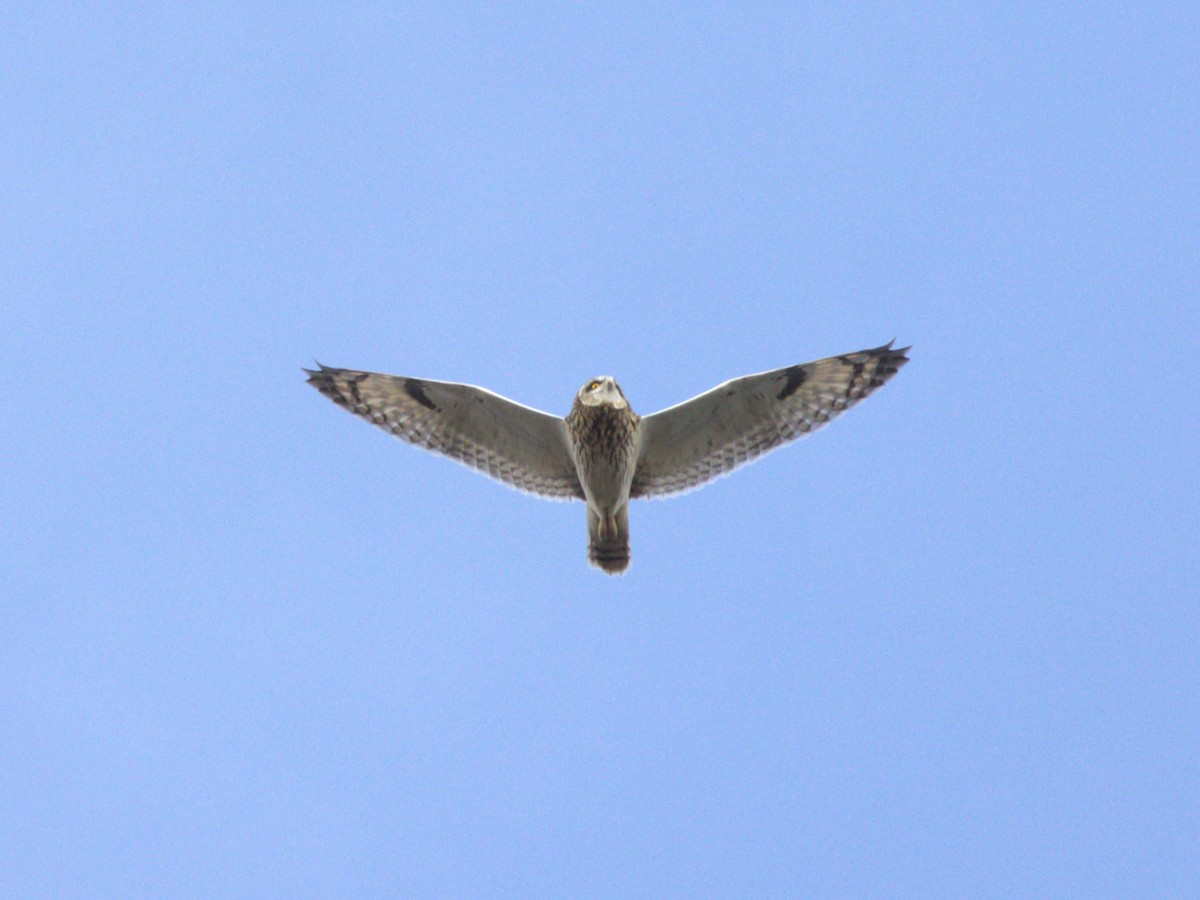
319 370
320 377
894 354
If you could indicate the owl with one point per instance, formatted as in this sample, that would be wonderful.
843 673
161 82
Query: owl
602 452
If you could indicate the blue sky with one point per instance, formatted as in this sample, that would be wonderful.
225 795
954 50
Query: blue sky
252 647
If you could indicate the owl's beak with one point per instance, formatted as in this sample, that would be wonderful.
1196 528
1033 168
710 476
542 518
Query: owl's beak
611 394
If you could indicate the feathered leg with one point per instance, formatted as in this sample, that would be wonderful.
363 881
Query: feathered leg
608 540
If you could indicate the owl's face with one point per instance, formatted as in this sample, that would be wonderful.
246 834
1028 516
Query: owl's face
603 391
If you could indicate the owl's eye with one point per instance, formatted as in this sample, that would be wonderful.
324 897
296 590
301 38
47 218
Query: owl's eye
593 385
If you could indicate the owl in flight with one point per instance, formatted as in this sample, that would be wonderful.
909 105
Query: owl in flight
603 452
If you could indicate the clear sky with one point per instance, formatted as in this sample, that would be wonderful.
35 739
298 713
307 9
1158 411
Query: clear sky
250 646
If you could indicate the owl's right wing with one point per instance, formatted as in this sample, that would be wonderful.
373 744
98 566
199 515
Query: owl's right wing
521 446
712 434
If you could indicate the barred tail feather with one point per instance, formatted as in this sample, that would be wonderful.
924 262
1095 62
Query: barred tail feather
608 541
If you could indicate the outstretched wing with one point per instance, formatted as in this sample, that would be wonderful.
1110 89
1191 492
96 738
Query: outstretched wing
700 439
515 444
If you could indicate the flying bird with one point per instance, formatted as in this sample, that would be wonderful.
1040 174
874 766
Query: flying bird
603 452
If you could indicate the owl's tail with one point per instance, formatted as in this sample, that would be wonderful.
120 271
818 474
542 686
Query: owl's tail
608 540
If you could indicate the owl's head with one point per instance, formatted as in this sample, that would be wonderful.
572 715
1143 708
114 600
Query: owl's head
603 391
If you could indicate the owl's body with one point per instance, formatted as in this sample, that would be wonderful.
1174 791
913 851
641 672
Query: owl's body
605 436
602 452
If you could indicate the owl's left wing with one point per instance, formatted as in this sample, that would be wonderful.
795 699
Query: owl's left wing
712 434
523 447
